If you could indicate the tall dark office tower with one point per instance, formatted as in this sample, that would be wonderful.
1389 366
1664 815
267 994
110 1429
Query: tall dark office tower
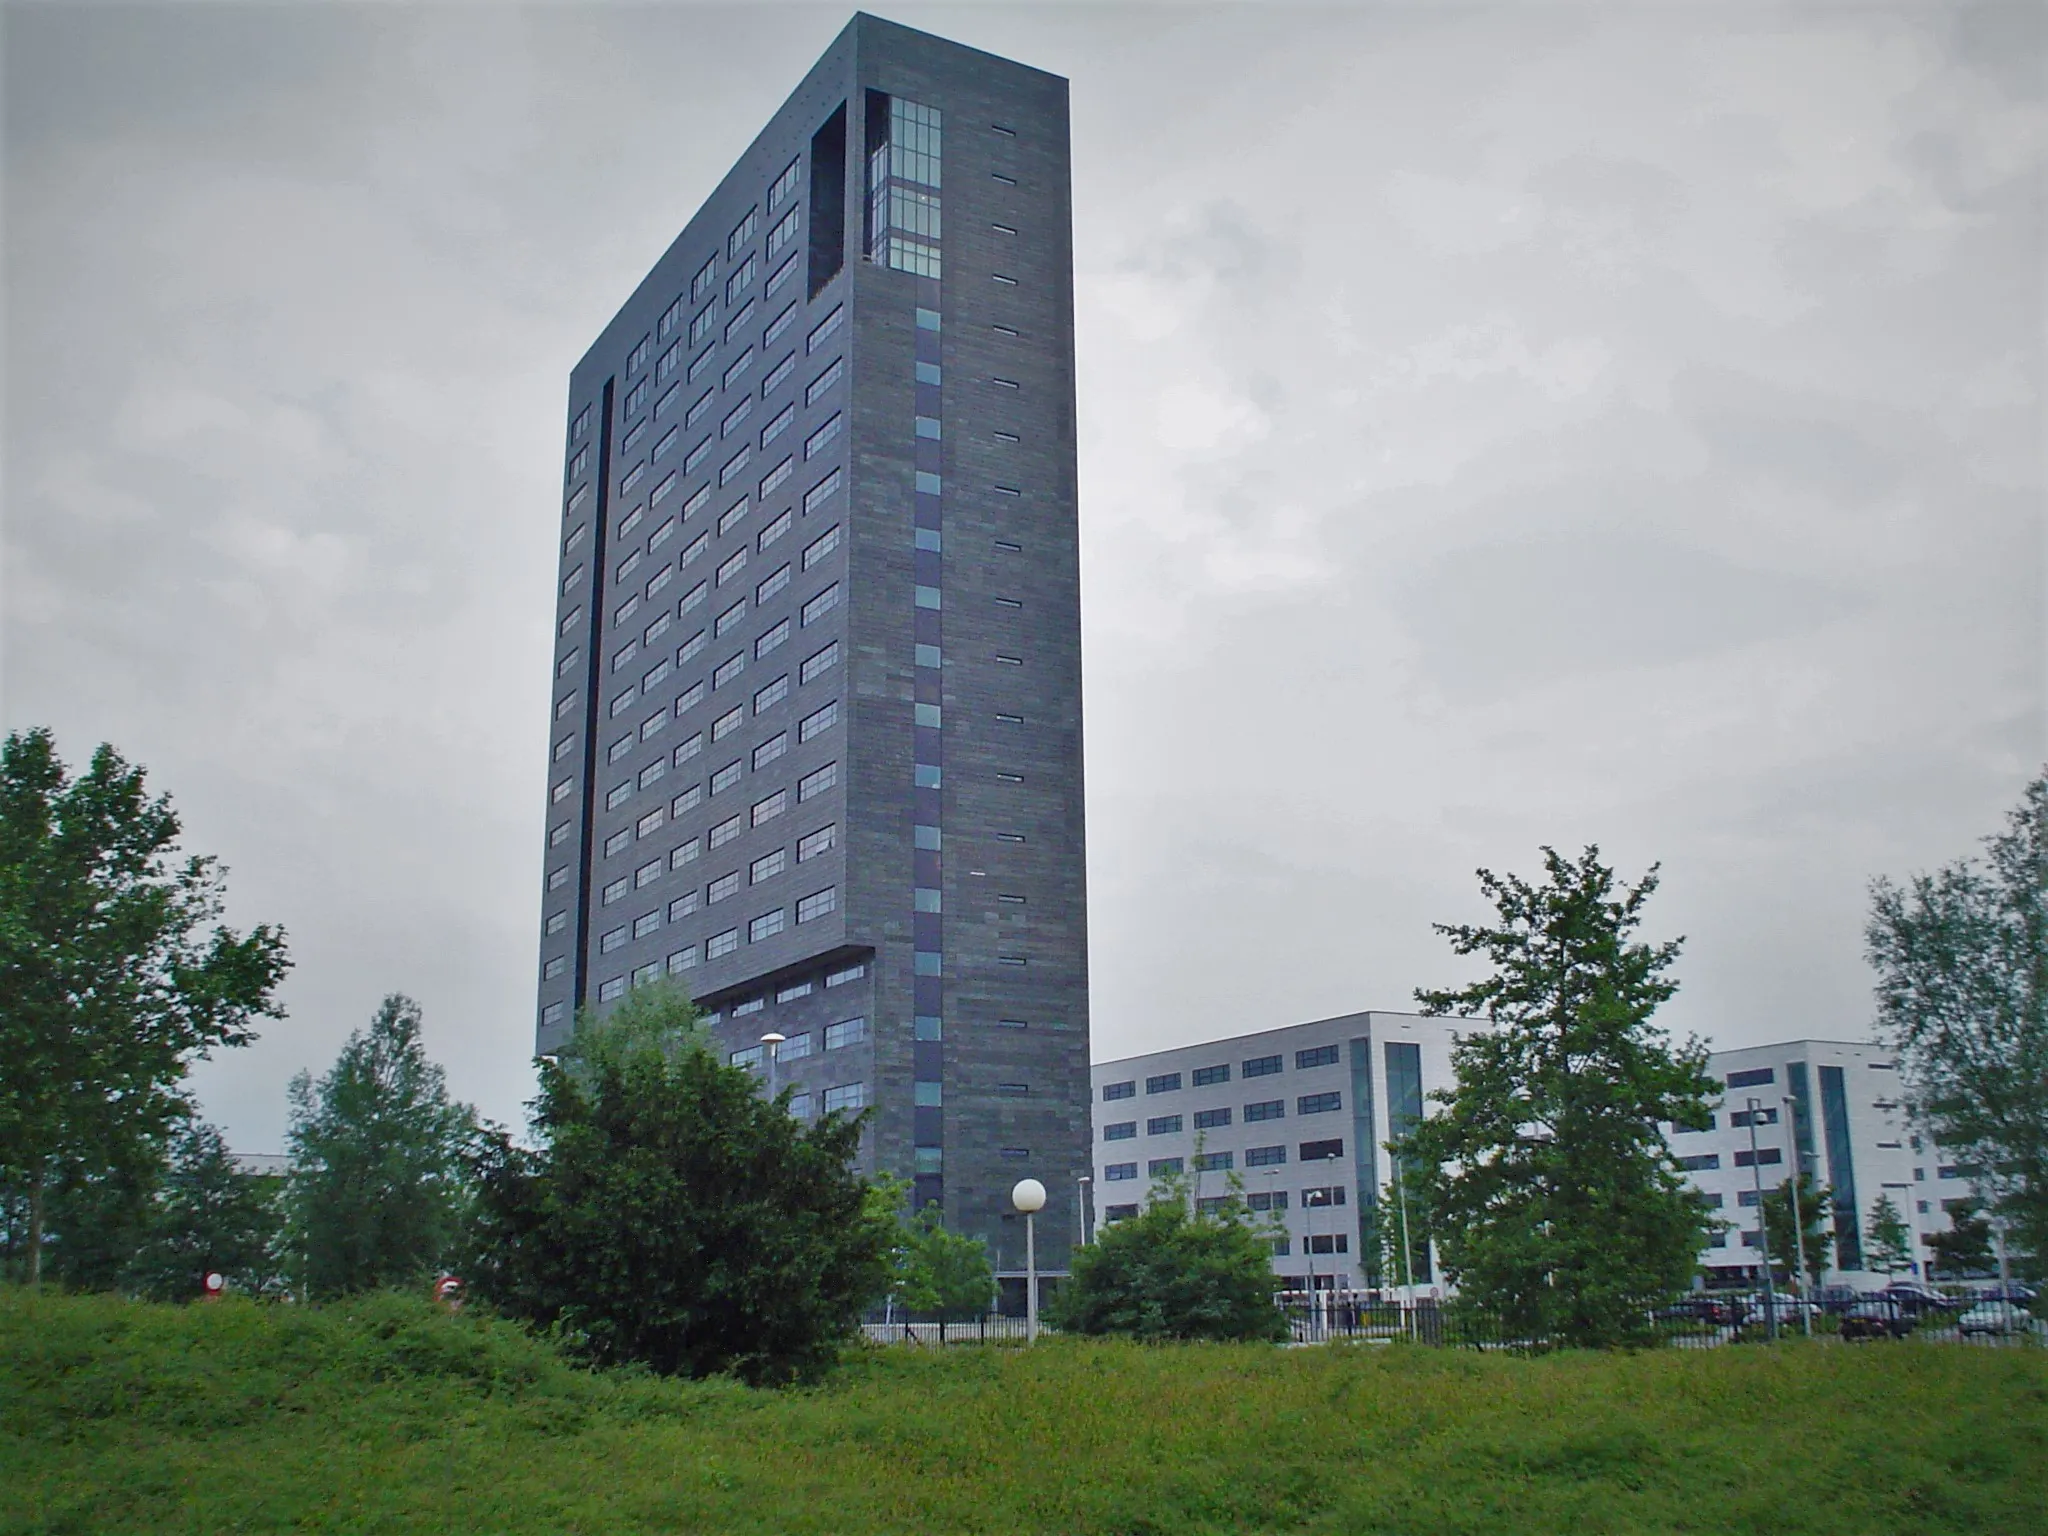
816 741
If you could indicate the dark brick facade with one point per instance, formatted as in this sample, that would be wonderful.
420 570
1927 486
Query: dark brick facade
1011 1065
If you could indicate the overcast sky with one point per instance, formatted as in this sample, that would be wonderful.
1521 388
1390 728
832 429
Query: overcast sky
1499 426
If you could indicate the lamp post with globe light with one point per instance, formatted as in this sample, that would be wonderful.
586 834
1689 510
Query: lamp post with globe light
773 1043
1028 1196
1081 1185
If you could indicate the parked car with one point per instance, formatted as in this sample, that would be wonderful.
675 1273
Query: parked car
1994 1318
1697 1309
2023 1295
1837 1298
1876 1317
1916 1299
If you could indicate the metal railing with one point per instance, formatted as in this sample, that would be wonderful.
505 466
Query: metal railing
995 1328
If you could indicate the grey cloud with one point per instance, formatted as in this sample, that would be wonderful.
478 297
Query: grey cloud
1495 618
293 293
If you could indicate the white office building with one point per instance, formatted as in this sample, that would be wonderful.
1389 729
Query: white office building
1836 1109
1301 1115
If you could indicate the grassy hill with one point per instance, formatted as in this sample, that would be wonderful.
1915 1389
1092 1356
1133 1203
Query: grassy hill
389 1416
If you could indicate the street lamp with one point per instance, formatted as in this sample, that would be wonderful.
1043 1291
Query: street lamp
1028 1196
1798 1220
773 1042
1763 1227
1081 1205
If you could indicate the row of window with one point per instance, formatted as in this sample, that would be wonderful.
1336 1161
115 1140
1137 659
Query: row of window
1214 1119
808 908
1203 1077
560 832
1254 1157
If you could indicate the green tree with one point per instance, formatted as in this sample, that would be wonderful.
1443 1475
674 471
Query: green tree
208 1216
1816 1201
381 1161
942 1274
1546 1178
674 1216
1962 994
1889 1245
119 974
1174 1272
1965 1248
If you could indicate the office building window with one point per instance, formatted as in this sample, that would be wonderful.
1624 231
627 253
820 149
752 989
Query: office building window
822 492
1163 1125
822 438
1165 1082
720 945
611 989
822 331
557 921
774 530
1262 1066
727 830
777 425
1266 1109
726 777
847 1097
817 904
1202 1077
1161 1167
1111 1092
615 939
767 866
820 605
827 377
844 1033
1318 1103
815 843
818 782
682 906
725 885
770 808
821 546
554 968
1117 1173
773 694
1318 1056
818 722
1704 1162
646 923
1764 1156
1752 1079
1211 1119
775 634
1214 1162
727 723
781 370
1314 1151
728 669
766 926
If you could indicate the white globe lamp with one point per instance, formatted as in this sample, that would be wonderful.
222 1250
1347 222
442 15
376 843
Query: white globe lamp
1028 1195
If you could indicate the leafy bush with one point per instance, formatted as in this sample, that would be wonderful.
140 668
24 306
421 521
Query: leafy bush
1168 1274
675 1217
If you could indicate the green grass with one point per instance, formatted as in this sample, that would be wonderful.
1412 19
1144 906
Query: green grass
387 1416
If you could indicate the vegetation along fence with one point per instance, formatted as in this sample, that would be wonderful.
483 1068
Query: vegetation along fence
1689 1322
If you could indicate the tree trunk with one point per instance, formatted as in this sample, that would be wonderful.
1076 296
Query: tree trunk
35 1227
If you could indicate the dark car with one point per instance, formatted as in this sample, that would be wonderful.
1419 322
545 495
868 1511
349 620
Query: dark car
1916 1299
1837 1298
1697 1309
2018 1294
1876 1317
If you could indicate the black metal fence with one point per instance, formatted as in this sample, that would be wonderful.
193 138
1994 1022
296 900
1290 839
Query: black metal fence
898 1328
1690 1322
